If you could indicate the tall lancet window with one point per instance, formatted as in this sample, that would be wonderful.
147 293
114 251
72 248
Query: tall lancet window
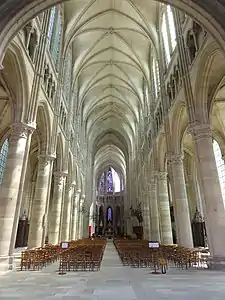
109 181
54 33
51 26
156 78
168 32
220 167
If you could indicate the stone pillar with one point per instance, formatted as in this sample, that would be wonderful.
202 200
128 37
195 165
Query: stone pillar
9 206
40 200
75 217
69 193
56 212
81 218
164 208
146 215
155 231
212 200
183 223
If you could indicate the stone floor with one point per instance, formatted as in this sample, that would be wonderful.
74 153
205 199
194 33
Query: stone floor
113 282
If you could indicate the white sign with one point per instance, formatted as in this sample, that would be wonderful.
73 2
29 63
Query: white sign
65 245
153 244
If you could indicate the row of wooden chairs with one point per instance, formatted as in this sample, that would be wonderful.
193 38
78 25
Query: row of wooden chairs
38 258
86 255
136 253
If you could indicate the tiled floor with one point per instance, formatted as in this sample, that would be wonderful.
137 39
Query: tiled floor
113 282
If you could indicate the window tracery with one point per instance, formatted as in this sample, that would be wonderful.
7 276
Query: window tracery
110 182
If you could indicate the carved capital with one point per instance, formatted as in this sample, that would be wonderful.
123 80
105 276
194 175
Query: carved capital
59 178
21 130
69 186
45 159
177 158
162 175
200 131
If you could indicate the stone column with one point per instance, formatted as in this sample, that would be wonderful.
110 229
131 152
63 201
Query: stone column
56 212
164 208
9 206
69 193
212 200
75 217
181 206
81 218
40 200
155 231
146 215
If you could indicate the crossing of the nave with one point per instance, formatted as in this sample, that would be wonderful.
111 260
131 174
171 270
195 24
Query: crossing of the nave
112 135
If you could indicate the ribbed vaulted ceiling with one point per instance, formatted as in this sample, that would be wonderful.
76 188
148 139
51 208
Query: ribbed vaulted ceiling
112 42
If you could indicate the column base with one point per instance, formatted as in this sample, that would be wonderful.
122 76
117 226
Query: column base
7 263
217 263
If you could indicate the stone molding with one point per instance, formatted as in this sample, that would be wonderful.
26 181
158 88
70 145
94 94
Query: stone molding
21 130
69 186
46 158
162 175
200 131
177 159
59 177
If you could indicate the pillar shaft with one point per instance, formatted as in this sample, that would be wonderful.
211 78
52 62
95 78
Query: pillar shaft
40 200
69 192
146 216
80 219
212 200
56 212
75 216
164 208
11 184
181 206
155 232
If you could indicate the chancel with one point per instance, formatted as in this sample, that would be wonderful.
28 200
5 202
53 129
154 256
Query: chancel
112 139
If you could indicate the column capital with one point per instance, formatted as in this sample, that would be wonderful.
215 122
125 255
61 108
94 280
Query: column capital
59 177
162 175
69 186
46 158
21 130
78 191
177 158
200 131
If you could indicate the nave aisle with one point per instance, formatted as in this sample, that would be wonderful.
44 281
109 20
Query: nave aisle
112 282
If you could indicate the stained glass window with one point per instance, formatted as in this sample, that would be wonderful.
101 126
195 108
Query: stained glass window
57 37
109 181
51 26
101 187
109 214
3 158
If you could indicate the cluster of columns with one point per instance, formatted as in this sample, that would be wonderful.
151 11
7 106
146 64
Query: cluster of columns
63 222
158 221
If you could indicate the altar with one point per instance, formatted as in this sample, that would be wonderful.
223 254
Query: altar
109 233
